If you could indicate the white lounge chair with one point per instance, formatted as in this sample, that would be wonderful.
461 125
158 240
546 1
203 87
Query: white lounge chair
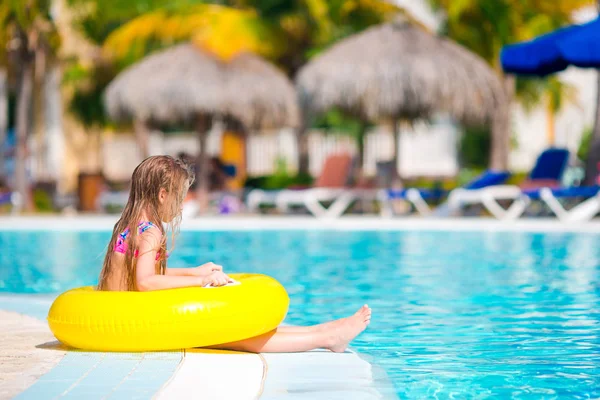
14 199
469 194
583 211
489 198
417 197
329 187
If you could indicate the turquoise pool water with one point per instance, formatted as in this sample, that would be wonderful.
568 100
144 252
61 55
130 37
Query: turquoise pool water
456 314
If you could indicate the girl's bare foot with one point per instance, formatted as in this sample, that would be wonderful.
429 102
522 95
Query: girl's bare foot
331 324
345 330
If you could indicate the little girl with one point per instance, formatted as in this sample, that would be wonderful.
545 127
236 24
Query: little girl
137 260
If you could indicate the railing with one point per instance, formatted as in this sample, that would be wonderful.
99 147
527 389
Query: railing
423 150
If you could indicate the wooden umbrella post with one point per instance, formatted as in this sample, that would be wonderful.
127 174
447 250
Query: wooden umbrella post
302 148
203 165
395 152
142 137
360 143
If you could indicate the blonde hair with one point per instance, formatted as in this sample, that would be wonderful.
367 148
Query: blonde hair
152 175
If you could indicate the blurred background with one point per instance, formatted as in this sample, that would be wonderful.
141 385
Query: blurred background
263 94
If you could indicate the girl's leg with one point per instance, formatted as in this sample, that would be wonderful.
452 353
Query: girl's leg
297 329
334 337
318 327
279 342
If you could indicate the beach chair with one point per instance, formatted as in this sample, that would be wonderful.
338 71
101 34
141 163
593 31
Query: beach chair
548 170
331 186
418 197
583 211
14 199
547 173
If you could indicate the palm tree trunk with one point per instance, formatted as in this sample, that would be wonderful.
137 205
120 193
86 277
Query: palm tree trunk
38 117
550 129
22 122
501 127
99 150
3 116
591 166
54 140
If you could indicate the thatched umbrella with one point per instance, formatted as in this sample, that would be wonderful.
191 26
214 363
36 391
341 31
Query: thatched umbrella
186 86
398 71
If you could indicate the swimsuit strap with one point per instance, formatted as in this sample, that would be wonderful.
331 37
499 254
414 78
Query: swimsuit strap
142 227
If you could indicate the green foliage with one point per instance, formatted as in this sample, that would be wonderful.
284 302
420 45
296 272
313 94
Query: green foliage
337 122
268 9
474 148
99 18
485 26
553 91
42 201
584 145
271 182
281 178
466 175
20 21
302 26
530 92
87 104
287 32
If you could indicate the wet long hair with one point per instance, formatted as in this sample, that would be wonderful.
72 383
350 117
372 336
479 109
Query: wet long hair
152 175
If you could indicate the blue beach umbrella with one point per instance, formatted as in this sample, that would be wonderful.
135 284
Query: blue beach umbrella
577 45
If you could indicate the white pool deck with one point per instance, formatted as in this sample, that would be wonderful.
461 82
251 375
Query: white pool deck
33 365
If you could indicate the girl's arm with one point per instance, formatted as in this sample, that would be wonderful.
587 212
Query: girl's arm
203 270
181 272
146 277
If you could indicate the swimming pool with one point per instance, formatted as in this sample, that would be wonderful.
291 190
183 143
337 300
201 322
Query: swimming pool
456 314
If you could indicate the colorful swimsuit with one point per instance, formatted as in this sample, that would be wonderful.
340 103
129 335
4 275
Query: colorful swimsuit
121 245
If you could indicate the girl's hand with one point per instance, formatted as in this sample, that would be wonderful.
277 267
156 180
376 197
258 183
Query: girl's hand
207 269
216 278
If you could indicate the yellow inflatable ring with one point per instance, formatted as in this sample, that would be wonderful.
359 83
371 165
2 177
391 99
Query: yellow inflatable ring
88 319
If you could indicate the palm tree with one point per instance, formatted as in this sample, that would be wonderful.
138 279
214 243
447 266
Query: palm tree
4 43
28 33
485 26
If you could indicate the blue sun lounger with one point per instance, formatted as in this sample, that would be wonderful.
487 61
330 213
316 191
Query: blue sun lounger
548 170
418 197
